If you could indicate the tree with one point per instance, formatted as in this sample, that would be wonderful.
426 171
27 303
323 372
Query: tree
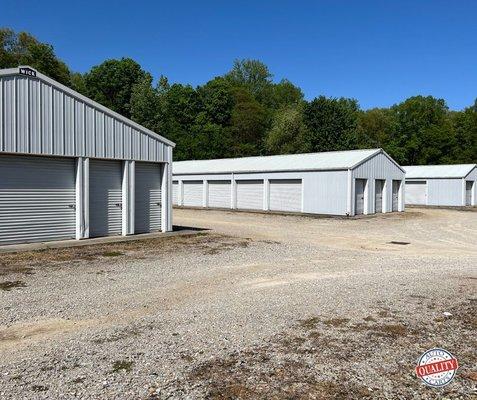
286 94
23 49
253 75
249 123
465 127
111 83
331 124
288 132
423 132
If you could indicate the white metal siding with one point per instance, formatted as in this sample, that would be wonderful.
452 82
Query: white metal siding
147 212
105 198
219 194
444 192
193 193
175 193
39 118
37 198
285 195
416 192
250 194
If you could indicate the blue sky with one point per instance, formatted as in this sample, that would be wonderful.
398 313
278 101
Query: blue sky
379 52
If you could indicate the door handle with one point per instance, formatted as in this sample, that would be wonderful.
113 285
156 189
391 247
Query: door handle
119 205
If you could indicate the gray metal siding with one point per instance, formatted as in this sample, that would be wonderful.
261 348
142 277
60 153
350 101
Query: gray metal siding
360 186
379 167
395 195
37 198
105 198
148 197
285 195
219 194
39 118
379 185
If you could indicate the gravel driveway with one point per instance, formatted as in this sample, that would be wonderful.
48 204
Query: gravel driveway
257 306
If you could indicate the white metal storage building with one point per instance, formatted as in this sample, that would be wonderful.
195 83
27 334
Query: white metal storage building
441 185
72 169
336 183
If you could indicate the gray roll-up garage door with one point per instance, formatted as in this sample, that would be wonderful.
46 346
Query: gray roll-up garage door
250 194
395 198
416 192
148 208
37 199
220 194
175 193
193 193
468 192
285 195
105 198
360 185
378 195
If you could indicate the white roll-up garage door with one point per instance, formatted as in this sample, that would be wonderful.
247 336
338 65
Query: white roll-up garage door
105 198
220 194
147 194
285 195
193 193
250 194
416 192
175 193
37 199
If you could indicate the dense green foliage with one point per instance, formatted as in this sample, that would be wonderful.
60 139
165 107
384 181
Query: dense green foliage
244 112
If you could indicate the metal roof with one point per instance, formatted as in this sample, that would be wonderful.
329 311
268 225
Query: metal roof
333 160
25 70
439 171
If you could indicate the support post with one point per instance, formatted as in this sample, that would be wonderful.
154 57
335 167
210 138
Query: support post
82 198
349 205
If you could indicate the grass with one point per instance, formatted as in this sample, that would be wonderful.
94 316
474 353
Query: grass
122 365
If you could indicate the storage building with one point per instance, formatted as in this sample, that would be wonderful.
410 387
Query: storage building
336 183
73 169
441 185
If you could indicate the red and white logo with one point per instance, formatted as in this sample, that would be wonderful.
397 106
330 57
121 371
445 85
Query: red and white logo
437 367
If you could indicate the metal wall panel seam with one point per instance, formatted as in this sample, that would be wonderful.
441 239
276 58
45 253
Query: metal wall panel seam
1 114
29 128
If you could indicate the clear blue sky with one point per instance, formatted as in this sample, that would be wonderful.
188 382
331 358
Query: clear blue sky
379 52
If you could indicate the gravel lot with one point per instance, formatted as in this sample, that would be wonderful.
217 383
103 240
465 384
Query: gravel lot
258 306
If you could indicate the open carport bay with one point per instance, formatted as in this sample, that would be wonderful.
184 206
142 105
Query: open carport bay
259 306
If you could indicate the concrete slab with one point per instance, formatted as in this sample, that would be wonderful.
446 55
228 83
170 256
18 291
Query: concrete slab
60 244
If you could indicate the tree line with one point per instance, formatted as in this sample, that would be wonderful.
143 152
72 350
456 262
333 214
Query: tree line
246 113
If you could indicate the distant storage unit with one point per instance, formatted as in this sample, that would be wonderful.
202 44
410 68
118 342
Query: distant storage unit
441 185
73 169
336 183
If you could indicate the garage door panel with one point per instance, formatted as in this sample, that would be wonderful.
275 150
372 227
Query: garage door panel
148 198
286 195
37 199
193 193
416 192
219 194
175 193
105 198
250 194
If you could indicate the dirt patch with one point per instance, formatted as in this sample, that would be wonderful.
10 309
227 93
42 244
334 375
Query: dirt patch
207 243
9 285
334 358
